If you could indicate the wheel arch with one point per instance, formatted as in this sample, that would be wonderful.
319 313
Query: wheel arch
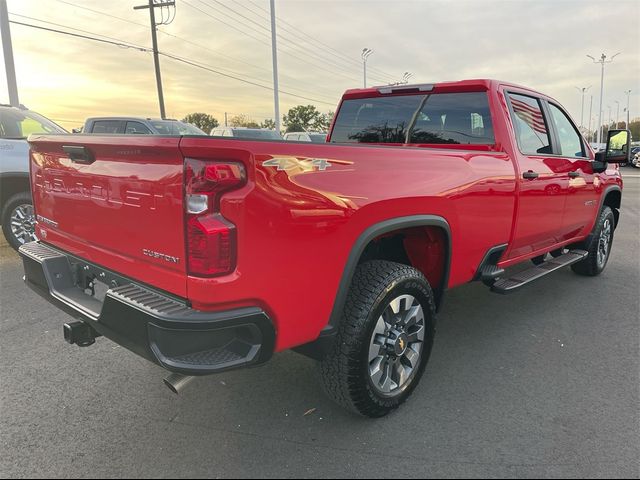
382 228
12 183
613 198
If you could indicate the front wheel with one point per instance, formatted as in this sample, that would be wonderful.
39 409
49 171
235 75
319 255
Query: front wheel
598 245
384 339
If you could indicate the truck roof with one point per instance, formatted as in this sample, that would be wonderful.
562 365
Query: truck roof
459 85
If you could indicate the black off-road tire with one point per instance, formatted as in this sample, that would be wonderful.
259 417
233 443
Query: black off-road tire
21 198
345 370
590 266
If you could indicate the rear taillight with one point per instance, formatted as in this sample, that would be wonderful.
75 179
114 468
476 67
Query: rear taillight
211 238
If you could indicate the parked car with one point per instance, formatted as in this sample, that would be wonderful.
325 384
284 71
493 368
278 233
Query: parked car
206 254
635 157
246 133
16 210
314 137
139 126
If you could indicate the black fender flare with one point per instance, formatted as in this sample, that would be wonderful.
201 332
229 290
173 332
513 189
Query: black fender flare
324 343
376 230
603 197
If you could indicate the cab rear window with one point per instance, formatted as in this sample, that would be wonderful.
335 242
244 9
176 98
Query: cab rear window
438 118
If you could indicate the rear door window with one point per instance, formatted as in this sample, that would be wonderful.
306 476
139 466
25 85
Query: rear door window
440 118
530 125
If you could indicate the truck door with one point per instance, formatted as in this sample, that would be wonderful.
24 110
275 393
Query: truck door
543 179
581 198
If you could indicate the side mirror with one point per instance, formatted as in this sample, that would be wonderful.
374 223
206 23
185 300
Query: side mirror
618 150
618 146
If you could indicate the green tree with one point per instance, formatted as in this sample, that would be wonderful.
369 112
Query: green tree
203 121
324 122
242 120
269 124
303 118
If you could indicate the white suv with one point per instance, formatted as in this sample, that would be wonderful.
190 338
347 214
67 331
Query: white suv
306 137
16 209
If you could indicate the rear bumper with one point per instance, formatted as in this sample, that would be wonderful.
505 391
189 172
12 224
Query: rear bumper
155 325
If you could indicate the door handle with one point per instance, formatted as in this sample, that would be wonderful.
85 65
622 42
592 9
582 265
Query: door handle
79 154
530 175
574 174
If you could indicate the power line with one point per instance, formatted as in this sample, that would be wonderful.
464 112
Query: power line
350 76
96 39
229 57
64 26
315 40
266 87
174 57
103 13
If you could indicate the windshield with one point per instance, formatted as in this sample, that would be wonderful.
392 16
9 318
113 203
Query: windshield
318 137
169 127
257 134
20 124
439 118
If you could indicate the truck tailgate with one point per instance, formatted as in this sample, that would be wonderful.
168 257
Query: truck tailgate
114 201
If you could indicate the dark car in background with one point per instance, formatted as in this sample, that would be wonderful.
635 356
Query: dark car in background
139 126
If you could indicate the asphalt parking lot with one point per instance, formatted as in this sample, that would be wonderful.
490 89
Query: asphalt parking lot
542 383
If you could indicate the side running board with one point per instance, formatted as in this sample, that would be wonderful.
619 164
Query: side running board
525 277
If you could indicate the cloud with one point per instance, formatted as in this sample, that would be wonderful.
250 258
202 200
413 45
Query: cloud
541 44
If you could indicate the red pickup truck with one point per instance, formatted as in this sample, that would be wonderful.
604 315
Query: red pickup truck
206 254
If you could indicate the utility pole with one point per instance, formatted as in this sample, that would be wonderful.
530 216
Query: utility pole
628 92
583 90
225 120
154 40
274 54
365 54
603 60
7 49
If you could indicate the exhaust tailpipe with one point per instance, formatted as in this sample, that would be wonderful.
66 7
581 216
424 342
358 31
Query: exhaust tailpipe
176 382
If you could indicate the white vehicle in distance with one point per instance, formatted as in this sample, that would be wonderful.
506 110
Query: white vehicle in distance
315 137
246 133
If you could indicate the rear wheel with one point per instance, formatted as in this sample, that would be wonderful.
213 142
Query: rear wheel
598 245
384 339
18 220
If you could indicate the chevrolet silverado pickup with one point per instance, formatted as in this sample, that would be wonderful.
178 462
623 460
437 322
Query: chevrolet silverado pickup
207 254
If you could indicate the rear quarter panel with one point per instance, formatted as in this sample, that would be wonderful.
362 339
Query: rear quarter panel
297 225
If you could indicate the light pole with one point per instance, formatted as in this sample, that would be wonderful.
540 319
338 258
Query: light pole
610 121
274 56
583 90
603 60
617 113
365 54
628 92
7 48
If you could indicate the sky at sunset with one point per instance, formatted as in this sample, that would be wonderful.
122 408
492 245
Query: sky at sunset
540 44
